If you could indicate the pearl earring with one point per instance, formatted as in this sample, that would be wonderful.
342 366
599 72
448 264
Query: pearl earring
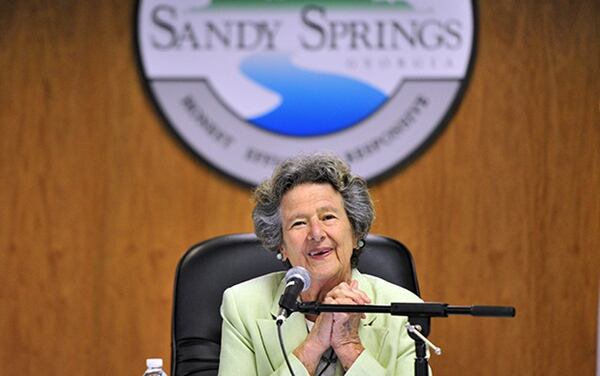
279 256
360 244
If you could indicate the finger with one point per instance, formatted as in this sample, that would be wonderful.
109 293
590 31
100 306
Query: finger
349 289
357 296
341 317
338 316
342 289
354 285
323 323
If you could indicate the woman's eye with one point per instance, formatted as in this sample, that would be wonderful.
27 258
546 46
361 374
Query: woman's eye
328 216
297 223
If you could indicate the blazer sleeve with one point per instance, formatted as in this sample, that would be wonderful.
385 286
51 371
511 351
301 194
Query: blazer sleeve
237 351
237 348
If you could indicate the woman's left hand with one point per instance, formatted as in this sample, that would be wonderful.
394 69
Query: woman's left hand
344 335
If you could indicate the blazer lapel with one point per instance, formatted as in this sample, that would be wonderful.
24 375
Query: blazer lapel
372 336
293 332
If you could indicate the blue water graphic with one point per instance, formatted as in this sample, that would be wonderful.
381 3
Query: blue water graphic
312 103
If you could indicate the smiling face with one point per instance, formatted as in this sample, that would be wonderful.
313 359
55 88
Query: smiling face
317 234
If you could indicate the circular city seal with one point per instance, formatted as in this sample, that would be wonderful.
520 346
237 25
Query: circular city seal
246 84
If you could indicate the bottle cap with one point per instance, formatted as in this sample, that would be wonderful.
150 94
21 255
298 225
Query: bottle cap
154 363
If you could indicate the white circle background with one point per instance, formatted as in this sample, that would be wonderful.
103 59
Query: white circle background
196 106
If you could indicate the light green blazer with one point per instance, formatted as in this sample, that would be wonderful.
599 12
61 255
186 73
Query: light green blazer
250 346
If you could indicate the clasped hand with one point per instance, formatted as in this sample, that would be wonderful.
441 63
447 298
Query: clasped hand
338 330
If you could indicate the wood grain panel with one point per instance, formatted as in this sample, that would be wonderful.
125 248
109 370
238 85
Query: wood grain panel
98 201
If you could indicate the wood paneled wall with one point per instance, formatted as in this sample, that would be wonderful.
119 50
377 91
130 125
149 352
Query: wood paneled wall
98 201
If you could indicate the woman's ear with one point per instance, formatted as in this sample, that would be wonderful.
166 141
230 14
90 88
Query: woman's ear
355 241
283 254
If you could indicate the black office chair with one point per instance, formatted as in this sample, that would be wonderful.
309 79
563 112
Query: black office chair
210 267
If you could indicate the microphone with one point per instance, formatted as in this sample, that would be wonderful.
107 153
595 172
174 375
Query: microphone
297 280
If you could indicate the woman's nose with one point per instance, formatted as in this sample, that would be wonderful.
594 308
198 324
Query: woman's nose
316 233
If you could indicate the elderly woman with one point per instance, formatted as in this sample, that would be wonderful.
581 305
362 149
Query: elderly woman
315 213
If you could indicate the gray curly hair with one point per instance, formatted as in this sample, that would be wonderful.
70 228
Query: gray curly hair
314 168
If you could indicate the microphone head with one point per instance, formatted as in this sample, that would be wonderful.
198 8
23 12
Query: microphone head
300 273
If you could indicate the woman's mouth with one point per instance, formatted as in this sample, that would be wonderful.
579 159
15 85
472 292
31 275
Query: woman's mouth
320 253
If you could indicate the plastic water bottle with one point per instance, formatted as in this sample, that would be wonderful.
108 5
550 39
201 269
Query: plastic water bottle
154 367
